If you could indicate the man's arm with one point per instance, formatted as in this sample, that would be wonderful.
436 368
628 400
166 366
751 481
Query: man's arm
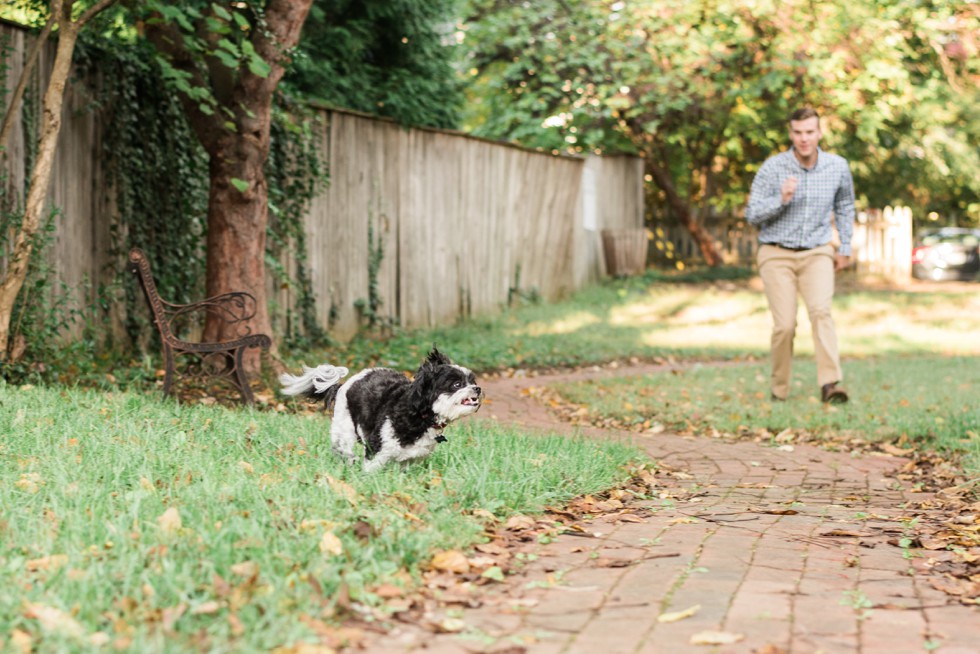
767 199
844 211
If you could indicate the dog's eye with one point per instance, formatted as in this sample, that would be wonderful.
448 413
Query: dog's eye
458 384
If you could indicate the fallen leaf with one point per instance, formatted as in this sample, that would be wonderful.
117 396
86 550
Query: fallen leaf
54 620
519 522
246 569
52 562
450 561
716 638
450 626
170 522
484 515
21 641
342 488
388 591
684 521
170 615
99 639
888 448
330 544
206 608
679 615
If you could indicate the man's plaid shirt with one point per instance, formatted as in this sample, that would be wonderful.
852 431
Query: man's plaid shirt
804 222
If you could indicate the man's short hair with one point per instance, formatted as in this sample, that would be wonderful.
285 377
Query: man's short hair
803 113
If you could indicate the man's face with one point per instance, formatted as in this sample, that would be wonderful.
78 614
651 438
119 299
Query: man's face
805 135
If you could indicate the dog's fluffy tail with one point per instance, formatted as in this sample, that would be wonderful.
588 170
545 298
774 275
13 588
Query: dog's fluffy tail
320 383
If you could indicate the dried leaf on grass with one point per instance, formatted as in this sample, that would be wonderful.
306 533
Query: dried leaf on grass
54 620
170 522
52 562
450 561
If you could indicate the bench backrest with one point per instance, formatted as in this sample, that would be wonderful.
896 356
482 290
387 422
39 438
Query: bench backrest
139 265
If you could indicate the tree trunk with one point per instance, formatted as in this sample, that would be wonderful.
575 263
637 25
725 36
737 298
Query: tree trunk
236 235
683 212
51 110
237 218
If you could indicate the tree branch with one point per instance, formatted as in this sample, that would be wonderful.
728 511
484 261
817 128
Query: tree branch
92 11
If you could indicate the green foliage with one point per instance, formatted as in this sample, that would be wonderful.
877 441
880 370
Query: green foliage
703 90
383 57
157 171
210 32
369 309
43 311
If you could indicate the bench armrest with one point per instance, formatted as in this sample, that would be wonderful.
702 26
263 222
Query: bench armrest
235 308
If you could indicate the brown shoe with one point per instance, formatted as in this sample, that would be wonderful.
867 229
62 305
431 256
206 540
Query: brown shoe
833 394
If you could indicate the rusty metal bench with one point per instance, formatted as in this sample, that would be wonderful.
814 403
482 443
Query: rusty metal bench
219 360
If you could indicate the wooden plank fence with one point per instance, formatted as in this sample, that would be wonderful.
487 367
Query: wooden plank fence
464 223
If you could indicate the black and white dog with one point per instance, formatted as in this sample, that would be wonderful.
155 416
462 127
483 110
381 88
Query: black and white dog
396 419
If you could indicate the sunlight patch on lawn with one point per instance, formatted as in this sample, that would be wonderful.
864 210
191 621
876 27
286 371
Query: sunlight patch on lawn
652 309
746 334
905 336
565 325
726 309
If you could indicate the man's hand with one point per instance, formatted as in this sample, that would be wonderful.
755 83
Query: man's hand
841 261
788 189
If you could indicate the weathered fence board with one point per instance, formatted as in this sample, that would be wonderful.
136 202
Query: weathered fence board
462 223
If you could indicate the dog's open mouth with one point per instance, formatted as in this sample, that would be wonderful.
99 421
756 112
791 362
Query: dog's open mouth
470 401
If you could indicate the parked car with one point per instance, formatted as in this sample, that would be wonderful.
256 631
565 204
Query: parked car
949 253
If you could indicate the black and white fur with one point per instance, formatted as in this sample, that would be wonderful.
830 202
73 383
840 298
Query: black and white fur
395 419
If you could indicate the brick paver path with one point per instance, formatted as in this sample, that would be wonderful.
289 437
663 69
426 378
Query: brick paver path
781 551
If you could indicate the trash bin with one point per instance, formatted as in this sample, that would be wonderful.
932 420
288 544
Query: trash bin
625 251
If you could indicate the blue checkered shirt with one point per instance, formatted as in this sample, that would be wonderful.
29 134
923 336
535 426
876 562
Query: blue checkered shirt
805 221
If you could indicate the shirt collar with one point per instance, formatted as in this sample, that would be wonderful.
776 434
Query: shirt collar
820 159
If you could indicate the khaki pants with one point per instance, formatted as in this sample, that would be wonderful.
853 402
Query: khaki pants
809 273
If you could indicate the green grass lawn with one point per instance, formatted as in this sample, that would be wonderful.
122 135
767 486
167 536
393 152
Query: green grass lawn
924 401
158 527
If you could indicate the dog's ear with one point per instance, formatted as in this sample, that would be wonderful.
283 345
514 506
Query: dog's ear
437 358
423 383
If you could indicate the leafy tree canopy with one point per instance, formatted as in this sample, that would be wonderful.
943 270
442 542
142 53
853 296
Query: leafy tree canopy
385 57
702 89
